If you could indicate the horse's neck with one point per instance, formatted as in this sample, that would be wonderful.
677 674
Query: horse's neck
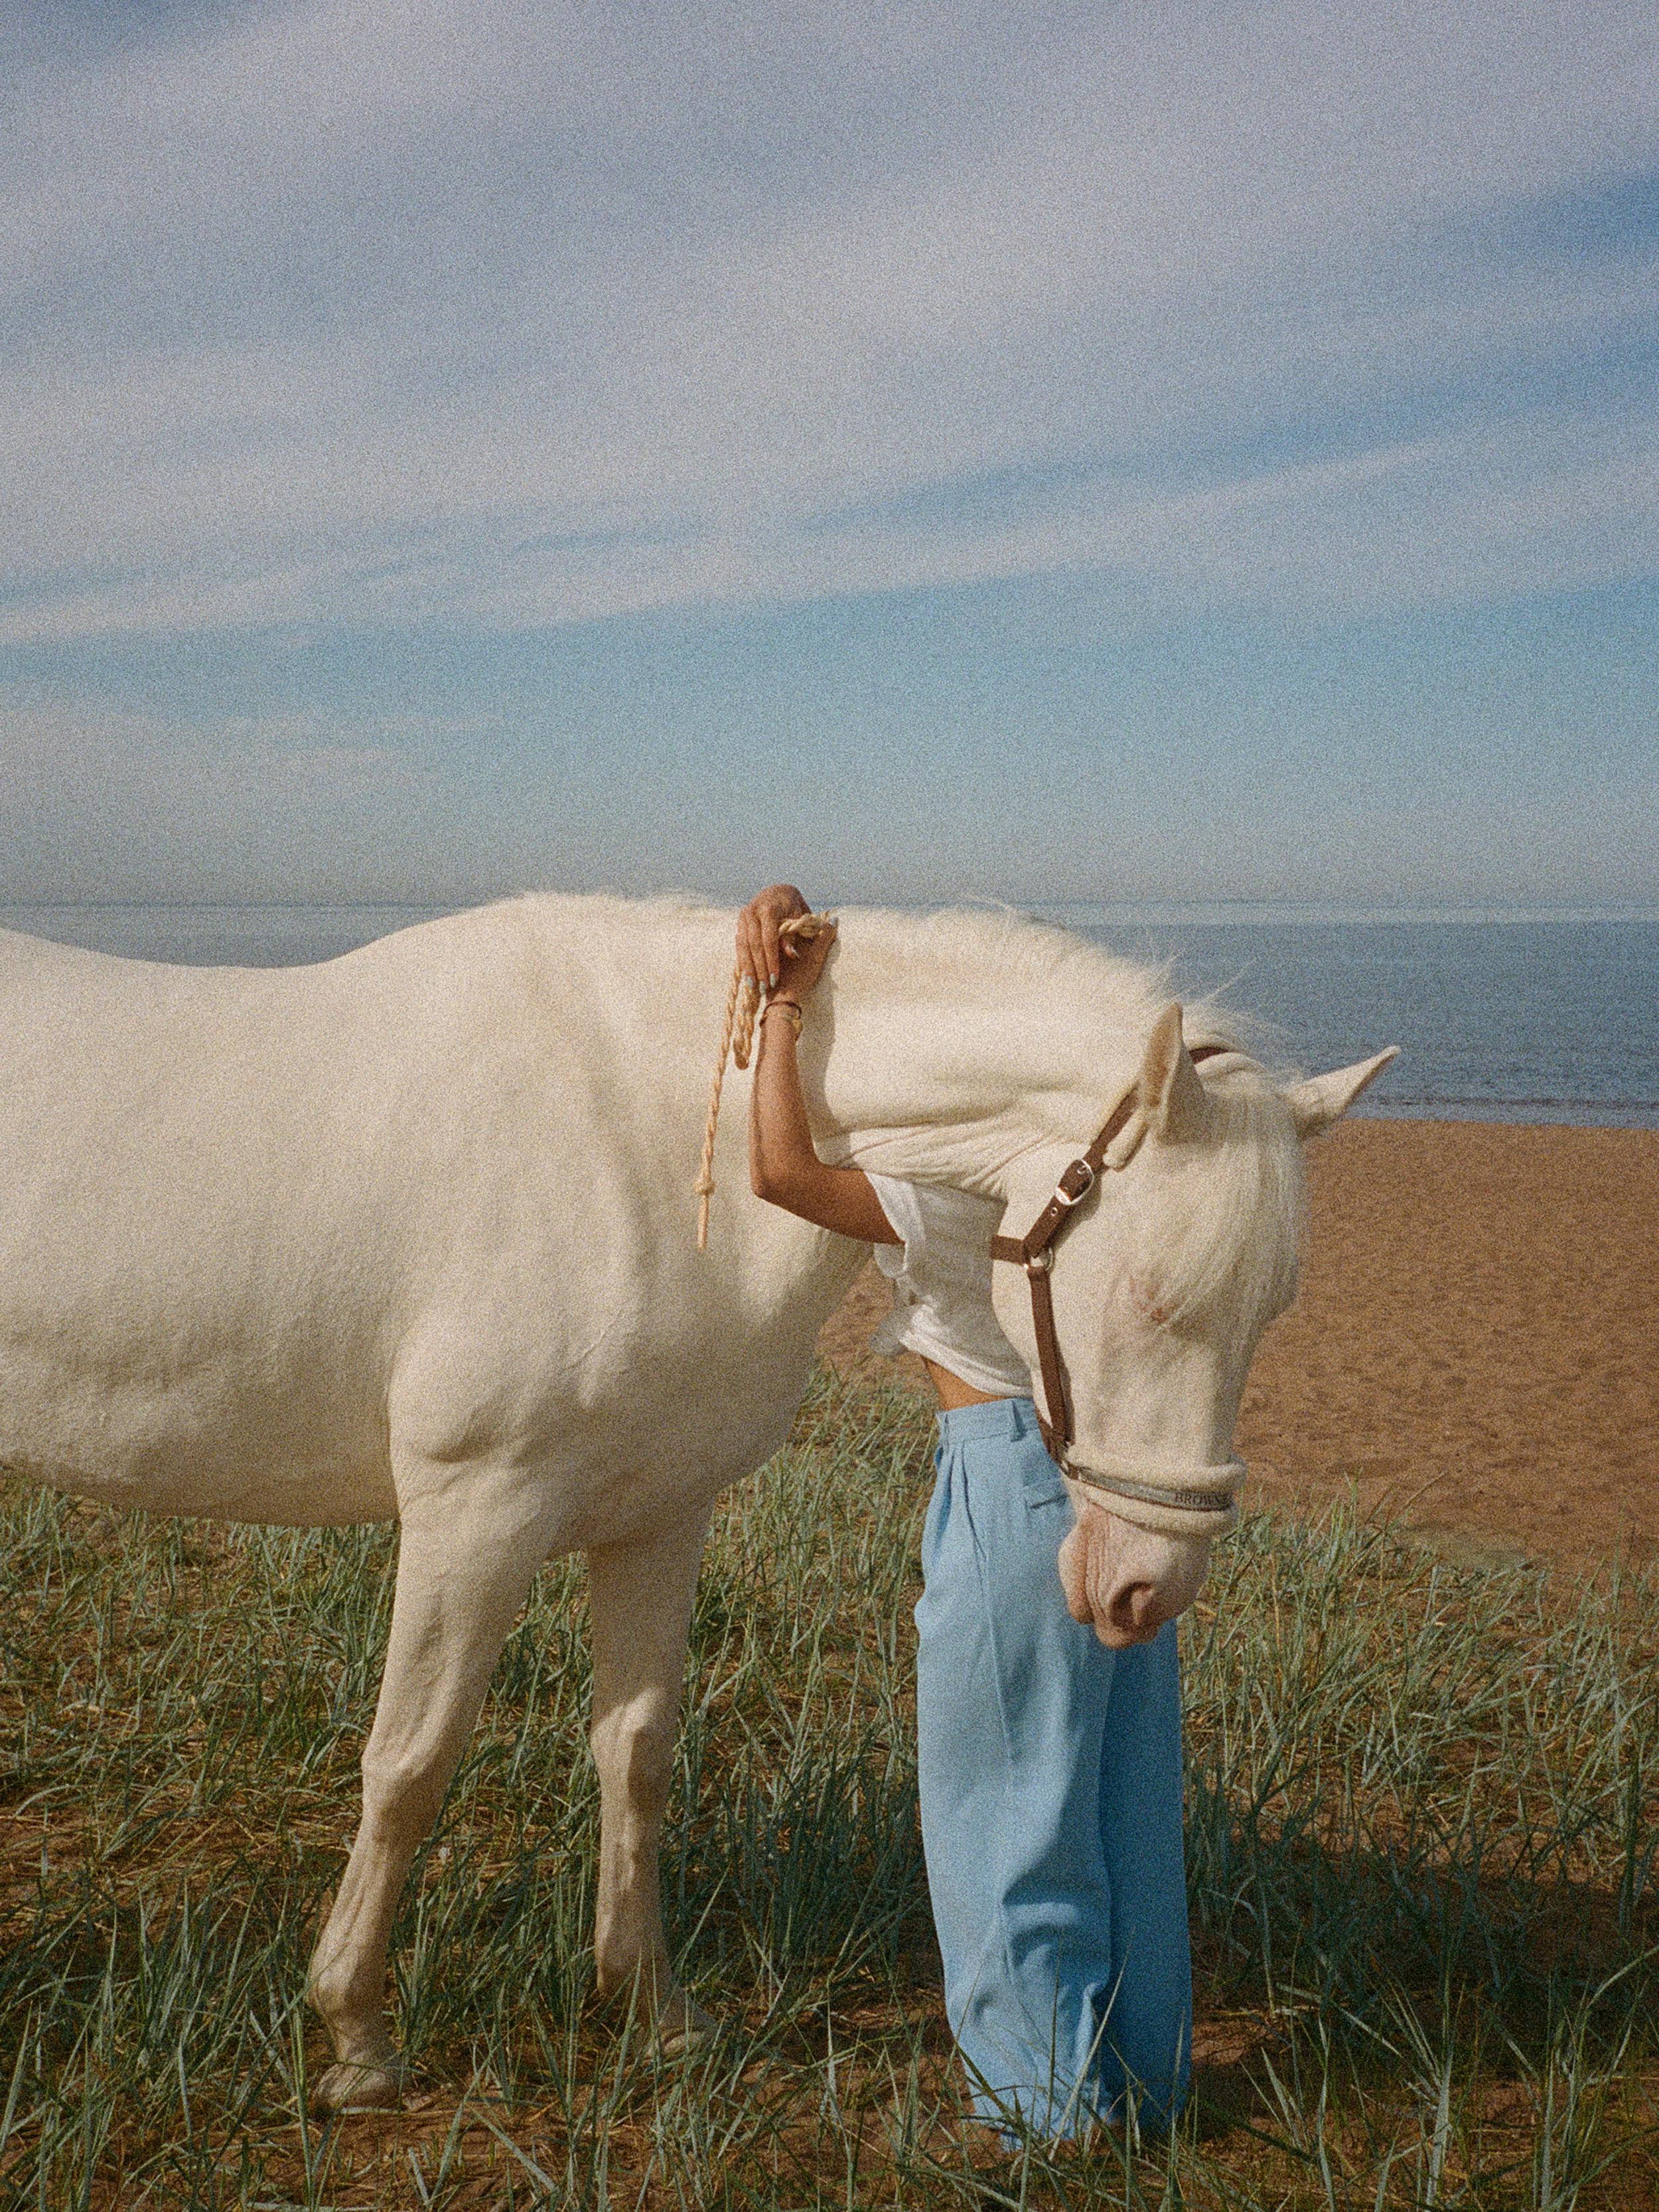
940 1049
949 1074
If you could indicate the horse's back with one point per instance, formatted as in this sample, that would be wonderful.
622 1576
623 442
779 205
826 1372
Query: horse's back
215 1189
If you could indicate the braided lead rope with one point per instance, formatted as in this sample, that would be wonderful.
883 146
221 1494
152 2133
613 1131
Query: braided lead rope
737 1037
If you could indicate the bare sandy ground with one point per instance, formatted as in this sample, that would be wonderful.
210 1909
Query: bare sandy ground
1475 1348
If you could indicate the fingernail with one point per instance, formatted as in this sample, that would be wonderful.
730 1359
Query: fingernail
771 982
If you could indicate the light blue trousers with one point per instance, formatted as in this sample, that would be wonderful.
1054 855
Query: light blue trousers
1050 1780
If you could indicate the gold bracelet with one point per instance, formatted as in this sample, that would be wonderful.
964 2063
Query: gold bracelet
785 1006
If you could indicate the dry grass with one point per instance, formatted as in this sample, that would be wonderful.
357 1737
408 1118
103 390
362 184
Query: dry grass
1421 1838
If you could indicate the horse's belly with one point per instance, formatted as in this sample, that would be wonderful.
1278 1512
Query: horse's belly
218 1446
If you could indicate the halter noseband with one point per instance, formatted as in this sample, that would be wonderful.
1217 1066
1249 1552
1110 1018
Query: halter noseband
1035 1253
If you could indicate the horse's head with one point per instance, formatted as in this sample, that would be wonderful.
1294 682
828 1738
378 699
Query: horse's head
1162 1283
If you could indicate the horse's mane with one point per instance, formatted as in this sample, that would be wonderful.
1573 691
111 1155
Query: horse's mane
1230 1237
1118 992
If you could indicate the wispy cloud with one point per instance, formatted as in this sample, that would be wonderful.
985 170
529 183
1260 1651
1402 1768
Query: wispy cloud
513 314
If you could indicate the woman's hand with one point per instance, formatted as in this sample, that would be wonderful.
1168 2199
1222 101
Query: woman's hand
760 948
803 962
769 960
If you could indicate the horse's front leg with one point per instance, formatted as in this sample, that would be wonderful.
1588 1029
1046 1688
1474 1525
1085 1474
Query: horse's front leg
640 1596
466 1556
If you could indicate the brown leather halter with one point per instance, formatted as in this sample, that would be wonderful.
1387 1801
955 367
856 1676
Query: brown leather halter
1035 1253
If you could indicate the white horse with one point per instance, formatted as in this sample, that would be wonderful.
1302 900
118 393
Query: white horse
409 1233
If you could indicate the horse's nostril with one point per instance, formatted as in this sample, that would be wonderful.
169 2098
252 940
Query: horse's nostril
1136 1608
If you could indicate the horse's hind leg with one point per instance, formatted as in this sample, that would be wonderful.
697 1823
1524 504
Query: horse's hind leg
640 1596
463 1568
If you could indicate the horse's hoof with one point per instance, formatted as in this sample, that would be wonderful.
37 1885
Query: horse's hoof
357 2088
685 2029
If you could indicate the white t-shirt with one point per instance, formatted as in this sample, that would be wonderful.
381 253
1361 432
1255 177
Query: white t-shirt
941 1278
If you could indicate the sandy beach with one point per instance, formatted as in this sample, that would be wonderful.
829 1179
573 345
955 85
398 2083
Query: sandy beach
1475 1348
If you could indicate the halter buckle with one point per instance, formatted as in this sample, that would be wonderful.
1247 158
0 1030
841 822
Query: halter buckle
1039 1263
1069 1192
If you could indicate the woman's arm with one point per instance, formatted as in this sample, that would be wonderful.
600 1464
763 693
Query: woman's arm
784 1169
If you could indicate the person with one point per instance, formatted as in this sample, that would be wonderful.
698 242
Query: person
1049 1754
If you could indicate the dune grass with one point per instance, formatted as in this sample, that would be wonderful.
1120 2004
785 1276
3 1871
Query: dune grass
1422 1850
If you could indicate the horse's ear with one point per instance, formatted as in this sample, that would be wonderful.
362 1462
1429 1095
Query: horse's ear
1171 1096
1323 1099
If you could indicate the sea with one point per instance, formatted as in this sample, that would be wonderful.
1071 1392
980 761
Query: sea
1501 1013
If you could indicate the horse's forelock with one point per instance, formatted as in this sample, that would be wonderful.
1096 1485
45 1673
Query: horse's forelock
1224 1242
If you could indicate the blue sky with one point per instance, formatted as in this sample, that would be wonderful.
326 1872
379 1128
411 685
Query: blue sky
1197 451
